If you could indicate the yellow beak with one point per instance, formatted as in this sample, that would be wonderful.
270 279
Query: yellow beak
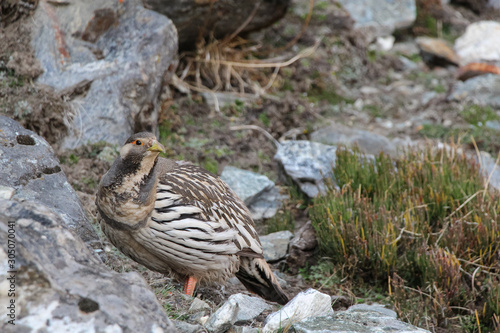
157 147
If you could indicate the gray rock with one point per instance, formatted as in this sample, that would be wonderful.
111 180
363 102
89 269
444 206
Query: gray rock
479 43
183 327
380 17
62 287
246 184
29 166
367 142
261 196
373 308
217 18
275 245
237 308
408 64
306 304
267 204
350 322
307 163
406 48
110 60
481 90
198 305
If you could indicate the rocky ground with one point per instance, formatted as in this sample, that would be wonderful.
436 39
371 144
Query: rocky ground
387 88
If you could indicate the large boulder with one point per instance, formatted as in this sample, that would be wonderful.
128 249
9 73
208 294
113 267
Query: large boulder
29 170
109 60
53 283
195 19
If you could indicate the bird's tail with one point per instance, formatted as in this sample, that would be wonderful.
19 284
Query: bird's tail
257 276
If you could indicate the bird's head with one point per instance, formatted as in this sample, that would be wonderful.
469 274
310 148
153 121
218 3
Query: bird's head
141 147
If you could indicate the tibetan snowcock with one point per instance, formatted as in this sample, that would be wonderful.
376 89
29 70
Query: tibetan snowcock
175 217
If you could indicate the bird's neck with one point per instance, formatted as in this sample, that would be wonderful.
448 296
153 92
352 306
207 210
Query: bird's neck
130 194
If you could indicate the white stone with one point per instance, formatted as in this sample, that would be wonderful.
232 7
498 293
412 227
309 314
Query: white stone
309 303
385 43
6 192
479 42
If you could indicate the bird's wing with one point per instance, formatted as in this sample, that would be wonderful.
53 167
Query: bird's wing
193 204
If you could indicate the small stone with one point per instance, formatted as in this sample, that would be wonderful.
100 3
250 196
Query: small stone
307 163
203 320
275 245
359 104
367 90
408 64
385 43
6 192
436 52
306 304
479 43
447 123
267 204
198 305
237 308
186 327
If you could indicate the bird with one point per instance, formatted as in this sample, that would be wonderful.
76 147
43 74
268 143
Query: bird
175 217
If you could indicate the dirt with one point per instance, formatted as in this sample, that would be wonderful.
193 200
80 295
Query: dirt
305 96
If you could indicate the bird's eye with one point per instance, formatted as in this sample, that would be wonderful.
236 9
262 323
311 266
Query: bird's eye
137 142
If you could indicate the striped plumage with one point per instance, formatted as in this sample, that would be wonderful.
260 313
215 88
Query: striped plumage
172 216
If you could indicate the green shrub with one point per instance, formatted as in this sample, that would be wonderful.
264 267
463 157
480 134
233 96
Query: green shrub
423 224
